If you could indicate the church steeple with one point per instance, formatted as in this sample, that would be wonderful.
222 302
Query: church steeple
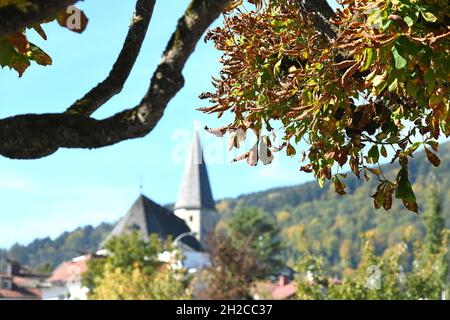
195 192
195 203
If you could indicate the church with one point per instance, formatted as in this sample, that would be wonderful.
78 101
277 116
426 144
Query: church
194 216
192 220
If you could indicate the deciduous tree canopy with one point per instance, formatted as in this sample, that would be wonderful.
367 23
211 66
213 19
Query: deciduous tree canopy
367 82
362 84
132 270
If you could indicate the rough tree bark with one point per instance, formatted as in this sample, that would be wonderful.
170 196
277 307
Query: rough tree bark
13 19
34 136
120 72
321 12
37 135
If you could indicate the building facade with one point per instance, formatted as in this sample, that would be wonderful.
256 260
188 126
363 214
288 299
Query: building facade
19 283
195 203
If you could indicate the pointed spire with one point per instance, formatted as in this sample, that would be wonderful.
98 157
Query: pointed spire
195 191
141 184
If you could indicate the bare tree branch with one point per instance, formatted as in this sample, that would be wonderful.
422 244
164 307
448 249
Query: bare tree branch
321 12
320 6
35 136
12 18
120 72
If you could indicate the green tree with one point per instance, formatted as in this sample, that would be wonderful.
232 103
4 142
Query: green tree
132 269
251 223
45 268
117 284
434 222
379 277
235 266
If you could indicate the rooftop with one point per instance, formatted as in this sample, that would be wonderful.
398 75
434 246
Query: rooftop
147 217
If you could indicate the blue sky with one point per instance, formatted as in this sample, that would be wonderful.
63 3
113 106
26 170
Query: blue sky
71 188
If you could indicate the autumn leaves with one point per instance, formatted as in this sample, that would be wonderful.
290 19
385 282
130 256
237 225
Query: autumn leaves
377 92
16 52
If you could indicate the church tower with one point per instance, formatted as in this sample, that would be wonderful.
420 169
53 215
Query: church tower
195 203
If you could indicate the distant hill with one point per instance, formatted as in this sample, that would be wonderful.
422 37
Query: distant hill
332 224
282 198
65 247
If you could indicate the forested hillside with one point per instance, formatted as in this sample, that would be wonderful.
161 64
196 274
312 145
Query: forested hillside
329 225
65 247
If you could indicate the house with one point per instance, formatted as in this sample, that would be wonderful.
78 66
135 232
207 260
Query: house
19 283
194 218
281 286
65 281
284 289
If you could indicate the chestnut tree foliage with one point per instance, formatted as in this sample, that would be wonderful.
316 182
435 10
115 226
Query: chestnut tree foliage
365 84
362 85
16 52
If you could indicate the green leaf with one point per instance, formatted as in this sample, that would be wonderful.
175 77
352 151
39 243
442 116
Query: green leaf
409 21
19 63
9 57
307 95
413 147
430 80
263 76
38 55
412 89
373 154
321 182
393 86
406 47
369 56
339 186
399 61
421 97
277 67
404 190
428 16
6 53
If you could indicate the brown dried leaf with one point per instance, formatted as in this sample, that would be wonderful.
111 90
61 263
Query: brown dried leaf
433 158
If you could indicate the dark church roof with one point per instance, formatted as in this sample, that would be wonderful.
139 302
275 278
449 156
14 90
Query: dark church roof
147 217
195 192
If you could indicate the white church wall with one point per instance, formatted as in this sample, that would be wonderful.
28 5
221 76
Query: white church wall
192 219
202 222
194 260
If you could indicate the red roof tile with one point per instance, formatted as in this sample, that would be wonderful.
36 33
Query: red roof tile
21 293
66 271
284 292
